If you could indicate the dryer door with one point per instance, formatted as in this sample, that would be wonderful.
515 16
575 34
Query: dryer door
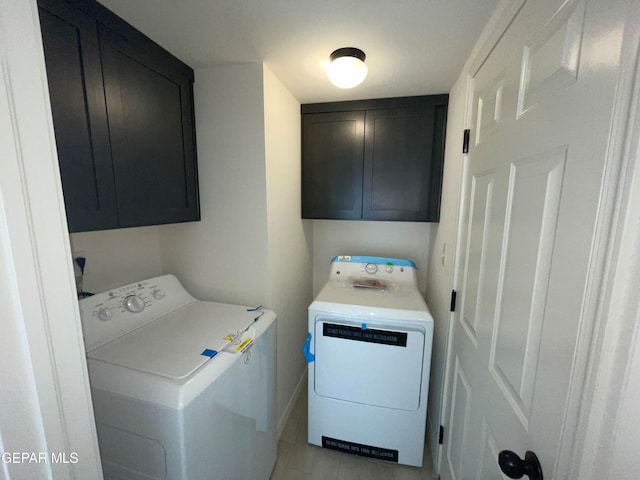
379 364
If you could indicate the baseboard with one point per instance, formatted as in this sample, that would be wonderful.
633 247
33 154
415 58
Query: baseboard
292 401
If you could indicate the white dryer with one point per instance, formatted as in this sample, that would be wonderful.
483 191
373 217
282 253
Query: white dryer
182 389
369 354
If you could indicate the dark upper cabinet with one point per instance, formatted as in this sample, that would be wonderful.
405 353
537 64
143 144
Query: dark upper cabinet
74 73
149 103
333 150
123 118
374 159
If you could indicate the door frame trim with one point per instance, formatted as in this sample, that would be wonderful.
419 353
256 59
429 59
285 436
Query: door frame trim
613 338
48 407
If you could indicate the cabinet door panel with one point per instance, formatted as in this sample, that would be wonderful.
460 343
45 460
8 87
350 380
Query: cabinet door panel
72 56
437 162
333 145
152 137
398 163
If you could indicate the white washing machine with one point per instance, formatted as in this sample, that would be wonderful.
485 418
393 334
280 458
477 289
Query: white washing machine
369 354
182 389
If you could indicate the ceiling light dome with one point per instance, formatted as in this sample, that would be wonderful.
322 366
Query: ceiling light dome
347 68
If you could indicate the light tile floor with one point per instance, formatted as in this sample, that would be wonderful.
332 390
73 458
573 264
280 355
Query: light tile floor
297 460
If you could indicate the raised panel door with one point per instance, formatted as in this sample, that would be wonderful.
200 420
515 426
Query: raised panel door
541 109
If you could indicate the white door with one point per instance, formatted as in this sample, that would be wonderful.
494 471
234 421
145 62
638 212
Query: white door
541 107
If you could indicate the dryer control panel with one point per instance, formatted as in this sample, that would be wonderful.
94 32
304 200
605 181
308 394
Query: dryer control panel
366 267
114 313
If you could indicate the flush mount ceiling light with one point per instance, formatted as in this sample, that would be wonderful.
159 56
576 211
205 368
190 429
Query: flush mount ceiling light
347 68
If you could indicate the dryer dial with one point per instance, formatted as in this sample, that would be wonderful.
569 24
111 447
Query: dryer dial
371 268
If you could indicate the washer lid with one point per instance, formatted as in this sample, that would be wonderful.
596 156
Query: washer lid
172 346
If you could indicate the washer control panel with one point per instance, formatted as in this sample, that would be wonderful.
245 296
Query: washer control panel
132 298
134 303
114 313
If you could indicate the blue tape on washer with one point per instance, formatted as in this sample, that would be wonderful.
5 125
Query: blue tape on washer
209 353
308 356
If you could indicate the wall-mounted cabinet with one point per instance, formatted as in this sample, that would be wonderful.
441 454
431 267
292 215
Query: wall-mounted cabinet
123 119
374 159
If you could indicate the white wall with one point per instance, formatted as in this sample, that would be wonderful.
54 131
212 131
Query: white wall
385 239
441 261
118 257
251 246
224 256
289 291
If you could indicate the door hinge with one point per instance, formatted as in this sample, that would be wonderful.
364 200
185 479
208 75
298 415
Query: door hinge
454 294
441 436
465 141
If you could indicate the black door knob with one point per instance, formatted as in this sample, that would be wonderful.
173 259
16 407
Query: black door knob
514 467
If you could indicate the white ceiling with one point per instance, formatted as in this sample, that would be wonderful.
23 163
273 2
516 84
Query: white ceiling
413 47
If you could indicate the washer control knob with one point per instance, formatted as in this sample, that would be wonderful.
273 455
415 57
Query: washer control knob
389 269
158 294
134 304
371 268
105 314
